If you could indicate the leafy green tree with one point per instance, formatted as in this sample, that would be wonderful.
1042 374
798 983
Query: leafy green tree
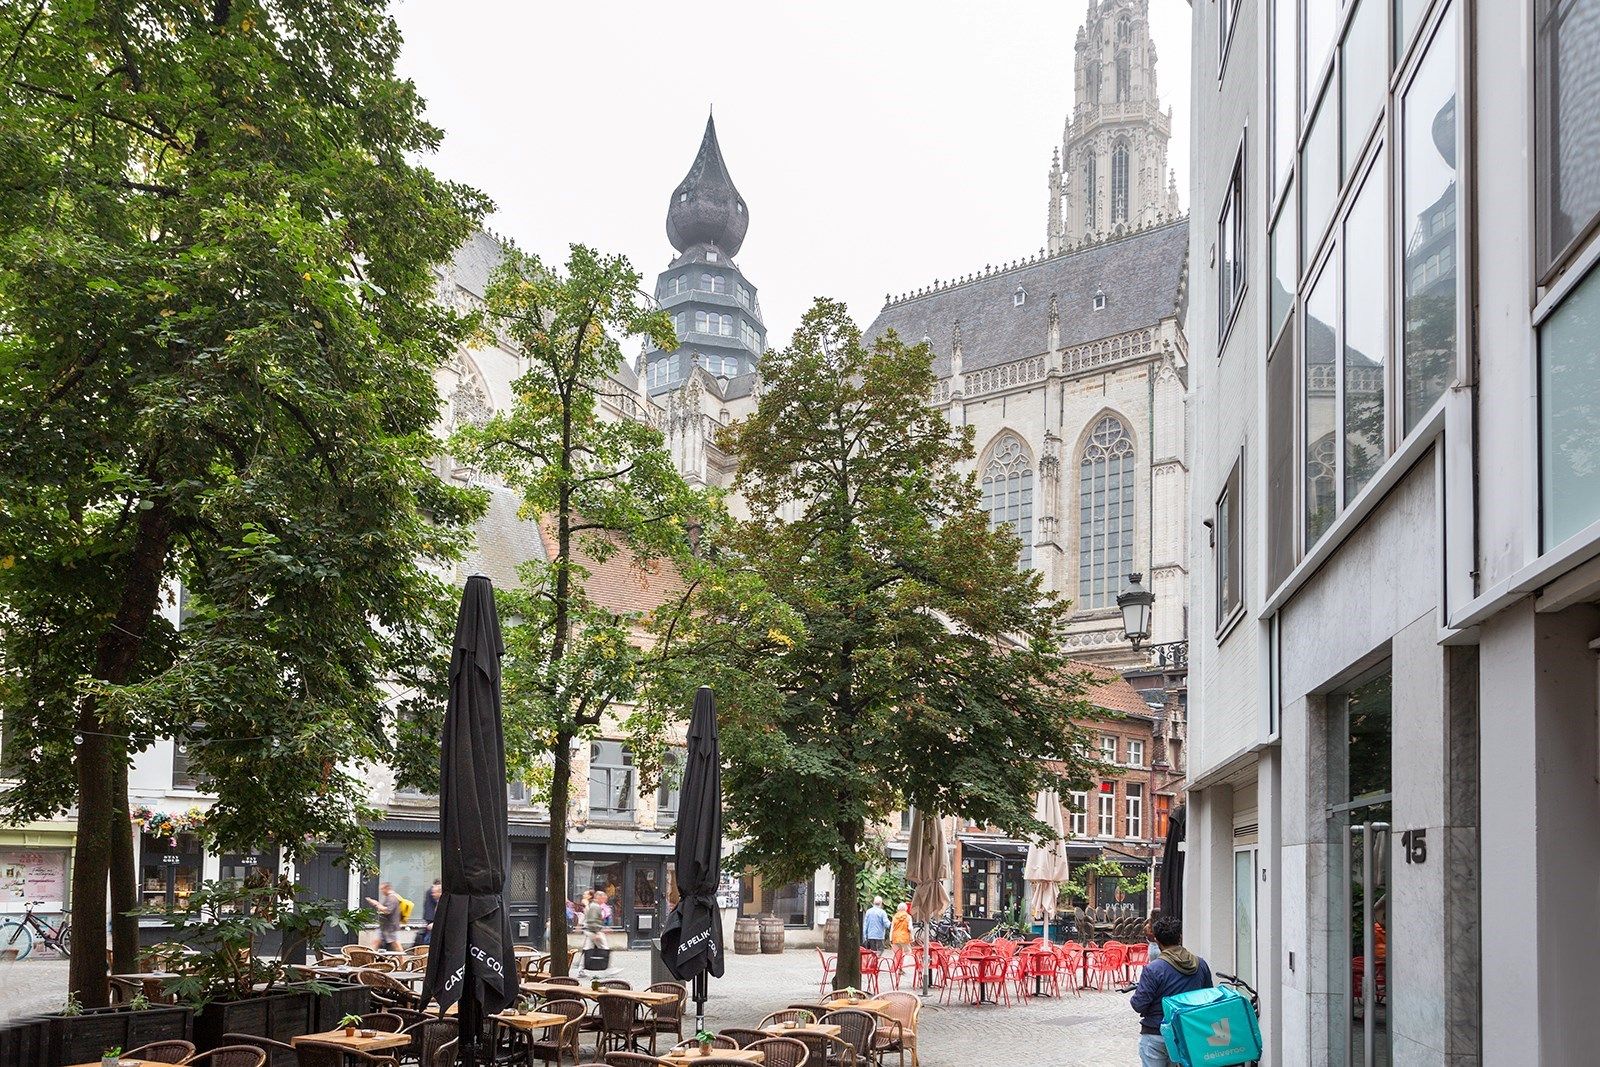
601 485
217 339
872 642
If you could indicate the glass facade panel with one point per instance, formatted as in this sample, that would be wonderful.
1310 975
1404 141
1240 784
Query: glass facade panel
1428 225
1363 76
1321 18
1406 14
1244 914
1280 459
1567 81
411 863
1569 413
1365 336
1284 98
1319 390
1319 176
1285 266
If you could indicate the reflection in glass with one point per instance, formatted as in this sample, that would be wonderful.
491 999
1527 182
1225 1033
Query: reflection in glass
1568 105
1319 175
1406 13
1244 914
1321 458
1284 112
1428 115
1569 413
1284 267
1368 753
1363 77
1365 335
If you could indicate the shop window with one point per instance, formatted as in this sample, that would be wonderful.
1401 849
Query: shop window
33 874
599 874
169 870
412 863
789 901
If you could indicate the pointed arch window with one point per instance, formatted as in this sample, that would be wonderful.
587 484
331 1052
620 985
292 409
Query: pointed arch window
1124 84
1119 182
1008 493
1090 192
1105 513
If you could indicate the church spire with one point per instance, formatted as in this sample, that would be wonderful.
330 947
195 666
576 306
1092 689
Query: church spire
706 209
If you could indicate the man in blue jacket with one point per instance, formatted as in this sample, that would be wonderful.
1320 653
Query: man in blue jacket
1176 970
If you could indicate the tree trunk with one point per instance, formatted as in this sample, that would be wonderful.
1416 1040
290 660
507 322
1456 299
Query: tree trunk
556 860
124 882
105 843
846 894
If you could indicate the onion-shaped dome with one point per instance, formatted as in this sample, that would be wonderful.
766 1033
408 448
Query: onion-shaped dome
706 208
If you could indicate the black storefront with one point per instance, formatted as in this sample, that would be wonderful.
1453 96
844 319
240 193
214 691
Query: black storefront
991 880
408 856
638 881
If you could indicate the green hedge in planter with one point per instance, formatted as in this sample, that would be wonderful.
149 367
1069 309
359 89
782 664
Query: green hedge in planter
339 1001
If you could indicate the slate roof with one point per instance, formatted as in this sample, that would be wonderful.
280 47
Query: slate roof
475 260
503 541
1141 276
705 208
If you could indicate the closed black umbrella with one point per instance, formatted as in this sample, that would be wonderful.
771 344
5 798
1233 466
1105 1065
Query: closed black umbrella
1172 865
470 957
691 942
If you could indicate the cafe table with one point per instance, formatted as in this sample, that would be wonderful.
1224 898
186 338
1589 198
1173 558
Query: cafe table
648 997
865 1004
533 1020
690 1055
830 1029
362 1042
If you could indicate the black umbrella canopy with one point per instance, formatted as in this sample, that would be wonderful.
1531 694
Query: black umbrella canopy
470 958
1172 865
691 942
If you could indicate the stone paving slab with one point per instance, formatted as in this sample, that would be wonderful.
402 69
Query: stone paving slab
1091 1030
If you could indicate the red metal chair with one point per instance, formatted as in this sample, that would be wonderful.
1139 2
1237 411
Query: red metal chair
871 967
1138 955
1108 963
830 963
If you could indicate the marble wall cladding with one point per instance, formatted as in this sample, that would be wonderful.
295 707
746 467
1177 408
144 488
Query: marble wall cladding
1292 876
1461 681
1414 1053
1463 945
1418 726
1296 771
1295 1011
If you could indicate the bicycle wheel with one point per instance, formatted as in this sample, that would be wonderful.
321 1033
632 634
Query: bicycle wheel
14 935
63 941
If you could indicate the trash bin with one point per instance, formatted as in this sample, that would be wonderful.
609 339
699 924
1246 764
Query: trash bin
658 964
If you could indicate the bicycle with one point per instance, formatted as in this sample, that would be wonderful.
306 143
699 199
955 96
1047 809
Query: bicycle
20 934
1233 981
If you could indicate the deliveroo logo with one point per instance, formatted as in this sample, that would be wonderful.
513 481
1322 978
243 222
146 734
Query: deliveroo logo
1221 1033
1221 1041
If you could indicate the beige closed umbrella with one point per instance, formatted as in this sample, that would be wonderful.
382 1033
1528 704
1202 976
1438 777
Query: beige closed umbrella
1046 867
928 868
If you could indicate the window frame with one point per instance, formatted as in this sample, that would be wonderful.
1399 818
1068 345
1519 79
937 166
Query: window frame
1234 216
1087 600
630 798
1139 763
1133 810
1078 814
1110 746
1228 540
1550 264
1227 16
1106 813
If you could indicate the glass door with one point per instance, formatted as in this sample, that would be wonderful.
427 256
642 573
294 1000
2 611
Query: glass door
645 915
1359 819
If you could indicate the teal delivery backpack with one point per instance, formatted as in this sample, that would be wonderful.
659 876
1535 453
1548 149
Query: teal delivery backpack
1210 1028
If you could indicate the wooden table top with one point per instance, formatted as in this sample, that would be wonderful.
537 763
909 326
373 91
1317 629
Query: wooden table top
160 976
533 1020
872 1005
689 1055
556 989
379 1040
831 1029
123 1063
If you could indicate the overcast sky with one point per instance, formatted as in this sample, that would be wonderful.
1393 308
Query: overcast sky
879 145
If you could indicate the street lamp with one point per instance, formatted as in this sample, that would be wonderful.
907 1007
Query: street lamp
1135 607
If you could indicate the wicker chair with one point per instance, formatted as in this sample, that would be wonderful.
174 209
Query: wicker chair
616 983
782 1052
428 1037
620 1026
328 1054
444 1055
826 1050
856 1028
742 1035
788 1015
411 1016
563 979
278 1052
162 1051
359 956
897 1029
668 1018
634 1059
555 1046
817 1010
717 1041
387 1021
231 1056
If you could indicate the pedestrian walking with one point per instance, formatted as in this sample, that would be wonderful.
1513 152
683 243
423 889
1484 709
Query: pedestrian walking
874 926
900 927
430 908
594 921
1176 970
387 905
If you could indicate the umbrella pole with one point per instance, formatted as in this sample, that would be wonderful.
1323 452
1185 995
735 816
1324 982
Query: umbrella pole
471 1022
927 960
700 981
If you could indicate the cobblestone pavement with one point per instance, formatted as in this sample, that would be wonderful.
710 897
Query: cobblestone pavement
1091 1030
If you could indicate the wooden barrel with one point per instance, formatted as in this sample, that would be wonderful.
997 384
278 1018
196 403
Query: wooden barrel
771 934
746 937
830 935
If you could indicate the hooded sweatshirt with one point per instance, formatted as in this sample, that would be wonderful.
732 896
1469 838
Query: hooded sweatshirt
1176 970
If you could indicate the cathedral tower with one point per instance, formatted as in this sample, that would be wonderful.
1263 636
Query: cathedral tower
1110 173
713 306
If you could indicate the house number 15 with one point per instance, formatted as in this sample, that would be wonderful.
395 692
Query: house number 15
1415 844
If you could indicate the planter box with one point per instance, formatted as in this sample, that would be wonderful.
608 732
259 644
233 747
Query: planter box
82 1038
326 1011
279 1016
25 1043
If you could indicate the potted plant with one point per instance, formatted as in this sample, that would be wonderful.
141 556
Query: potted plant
350 1023
139 1002
111 1057
705 1037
